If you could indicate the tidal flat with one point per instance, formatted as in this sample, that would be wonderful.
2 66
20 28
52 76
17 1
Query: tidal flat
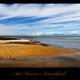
30 55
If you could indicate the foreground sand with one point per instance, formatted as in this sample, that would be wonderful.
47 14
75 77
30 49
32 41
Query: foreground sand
13 52
22 50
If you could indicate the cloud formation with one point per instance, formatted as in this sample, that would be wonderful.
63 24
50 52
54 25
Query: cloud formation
39 19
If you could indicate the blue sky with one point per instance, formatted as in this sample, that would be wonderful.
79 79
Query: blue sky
39 19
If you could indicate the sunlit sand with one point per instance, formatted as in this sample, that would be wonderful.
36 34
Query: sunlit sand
19 50
13 52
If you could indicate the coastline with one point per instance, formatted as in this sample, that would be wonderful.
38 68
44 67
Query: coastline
35 55
32 50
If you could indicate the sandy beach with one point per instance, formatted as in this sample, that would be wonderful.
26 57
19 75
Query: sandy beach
33 55
22 50
39 35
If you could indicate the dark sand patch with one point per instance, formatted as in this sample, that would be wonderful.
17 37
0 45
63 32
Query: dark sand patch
49 61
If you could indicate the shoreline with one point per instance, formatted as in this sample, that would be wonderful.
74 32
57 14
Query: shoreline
37 55
35 48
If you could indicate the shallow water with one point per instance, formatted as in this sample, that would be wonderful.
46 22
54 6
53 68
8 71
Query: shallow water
66 42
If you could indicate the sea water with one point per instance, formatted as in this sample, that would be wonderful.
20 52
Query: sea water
66 42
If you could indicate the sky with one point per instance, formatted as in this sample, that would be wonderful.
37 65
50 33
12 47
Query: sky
39 19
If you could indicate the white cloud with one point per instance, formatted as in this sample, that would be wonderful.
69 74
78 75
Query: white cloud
75 32
54 12
48 33
35 10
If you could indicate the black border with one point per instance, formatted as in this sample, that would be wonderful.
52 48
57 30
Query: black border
10 72
70 73
39 1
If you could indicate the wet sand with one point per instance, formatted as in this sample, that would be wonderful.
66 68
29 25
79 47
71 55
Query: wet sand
32 55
